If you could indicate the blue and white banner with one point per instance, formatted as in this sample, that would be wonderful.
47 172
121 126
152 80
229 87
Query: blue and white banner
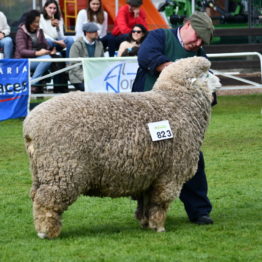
109 75
14 88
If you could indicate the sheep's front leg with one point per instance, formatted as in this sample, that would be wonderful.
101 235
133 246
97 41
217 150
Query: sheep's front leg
47 221
160 196
150 214
157 216
141 213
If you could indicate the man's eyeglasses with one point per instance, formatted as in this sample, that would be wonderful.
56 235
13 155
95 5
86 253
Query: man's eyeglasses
136 31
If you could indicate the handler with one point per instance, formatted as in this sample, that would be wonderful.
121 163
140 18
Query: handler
159 49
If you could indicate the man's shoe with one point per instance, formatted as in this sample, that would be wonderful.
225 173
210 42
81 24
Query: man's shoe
203 220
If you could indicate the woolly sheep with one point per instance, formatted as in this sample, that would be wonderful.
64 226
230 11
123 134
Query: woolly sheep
99 144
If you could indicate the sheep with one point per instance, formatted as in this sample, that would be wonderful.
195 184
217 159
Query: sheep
99 144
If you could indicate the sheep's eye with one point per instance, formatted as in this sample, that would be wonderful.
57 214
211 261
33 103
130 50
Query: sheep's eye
193 80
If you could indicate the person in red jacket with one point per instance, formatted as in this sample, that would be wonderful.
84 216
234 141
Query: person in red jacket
128 16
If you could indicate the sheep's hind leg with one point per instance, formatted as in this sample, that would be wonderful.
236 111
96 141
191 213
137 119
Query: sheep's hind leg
49 203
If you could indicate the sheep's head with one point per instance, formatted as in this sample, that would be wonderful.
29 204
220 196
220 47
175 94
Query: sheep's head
186 73
209 80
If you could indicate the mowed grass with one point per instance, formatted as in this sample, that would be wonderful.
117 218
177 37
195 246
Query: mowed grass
96 229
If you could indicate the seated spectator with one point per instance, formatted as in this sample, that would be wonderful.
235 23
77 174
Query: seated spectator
6 42
31 43
52 24
85 46
93 13
133 41
128 16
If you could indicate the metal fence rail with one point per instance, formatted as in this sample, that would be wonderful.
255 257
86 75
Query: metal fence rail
222 55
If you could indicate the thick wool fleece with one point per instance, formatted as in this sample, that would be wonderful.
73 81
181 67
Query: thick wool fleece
99 144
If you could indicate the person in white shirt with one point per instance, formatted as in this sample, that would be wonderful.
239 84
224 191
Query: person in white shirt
6 42
51 23
93 13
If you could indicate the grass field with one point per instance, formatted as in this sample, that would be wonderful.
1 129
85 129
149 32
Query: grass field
98 229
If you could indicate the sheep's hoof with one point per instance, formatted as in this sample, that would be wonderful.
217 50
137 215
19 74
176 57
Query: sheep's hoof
157 228
42 235
160 229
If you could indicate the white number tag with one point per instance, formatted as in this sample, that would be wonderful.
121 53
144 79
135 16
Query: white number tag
160 130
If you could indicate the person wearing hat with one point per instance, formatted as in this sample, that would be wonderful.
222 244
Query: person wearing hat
158 50
128 16
85 46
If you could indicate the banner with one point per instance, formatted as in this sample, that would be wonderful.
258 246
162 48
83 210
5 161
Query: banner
14 90
110 75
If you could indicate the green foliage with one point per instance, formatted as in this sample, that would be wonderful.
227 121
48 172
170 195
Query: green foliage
97 229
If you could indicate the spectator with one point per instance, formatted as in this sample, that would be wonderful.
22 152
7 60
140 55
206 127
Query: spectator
6 42
160 48
85 46
51 23
31 43
128 16
133 41
93 13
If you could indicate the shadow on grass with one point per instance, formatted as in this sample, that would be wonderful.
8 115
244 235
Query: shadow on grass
105 229
229 219
130 227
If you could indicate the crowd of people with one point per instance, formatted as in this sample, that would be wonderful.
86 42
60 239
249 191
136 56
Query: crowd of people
41 35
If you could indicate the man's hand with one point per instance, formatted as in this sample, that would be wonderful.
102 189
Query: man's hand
162 66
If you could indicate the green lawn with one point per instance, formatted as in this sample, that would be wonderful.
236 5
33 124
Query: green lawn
98 229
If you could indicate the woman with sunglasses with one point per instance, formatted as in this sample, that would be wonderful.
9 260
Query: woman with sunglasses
133 41
128 15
